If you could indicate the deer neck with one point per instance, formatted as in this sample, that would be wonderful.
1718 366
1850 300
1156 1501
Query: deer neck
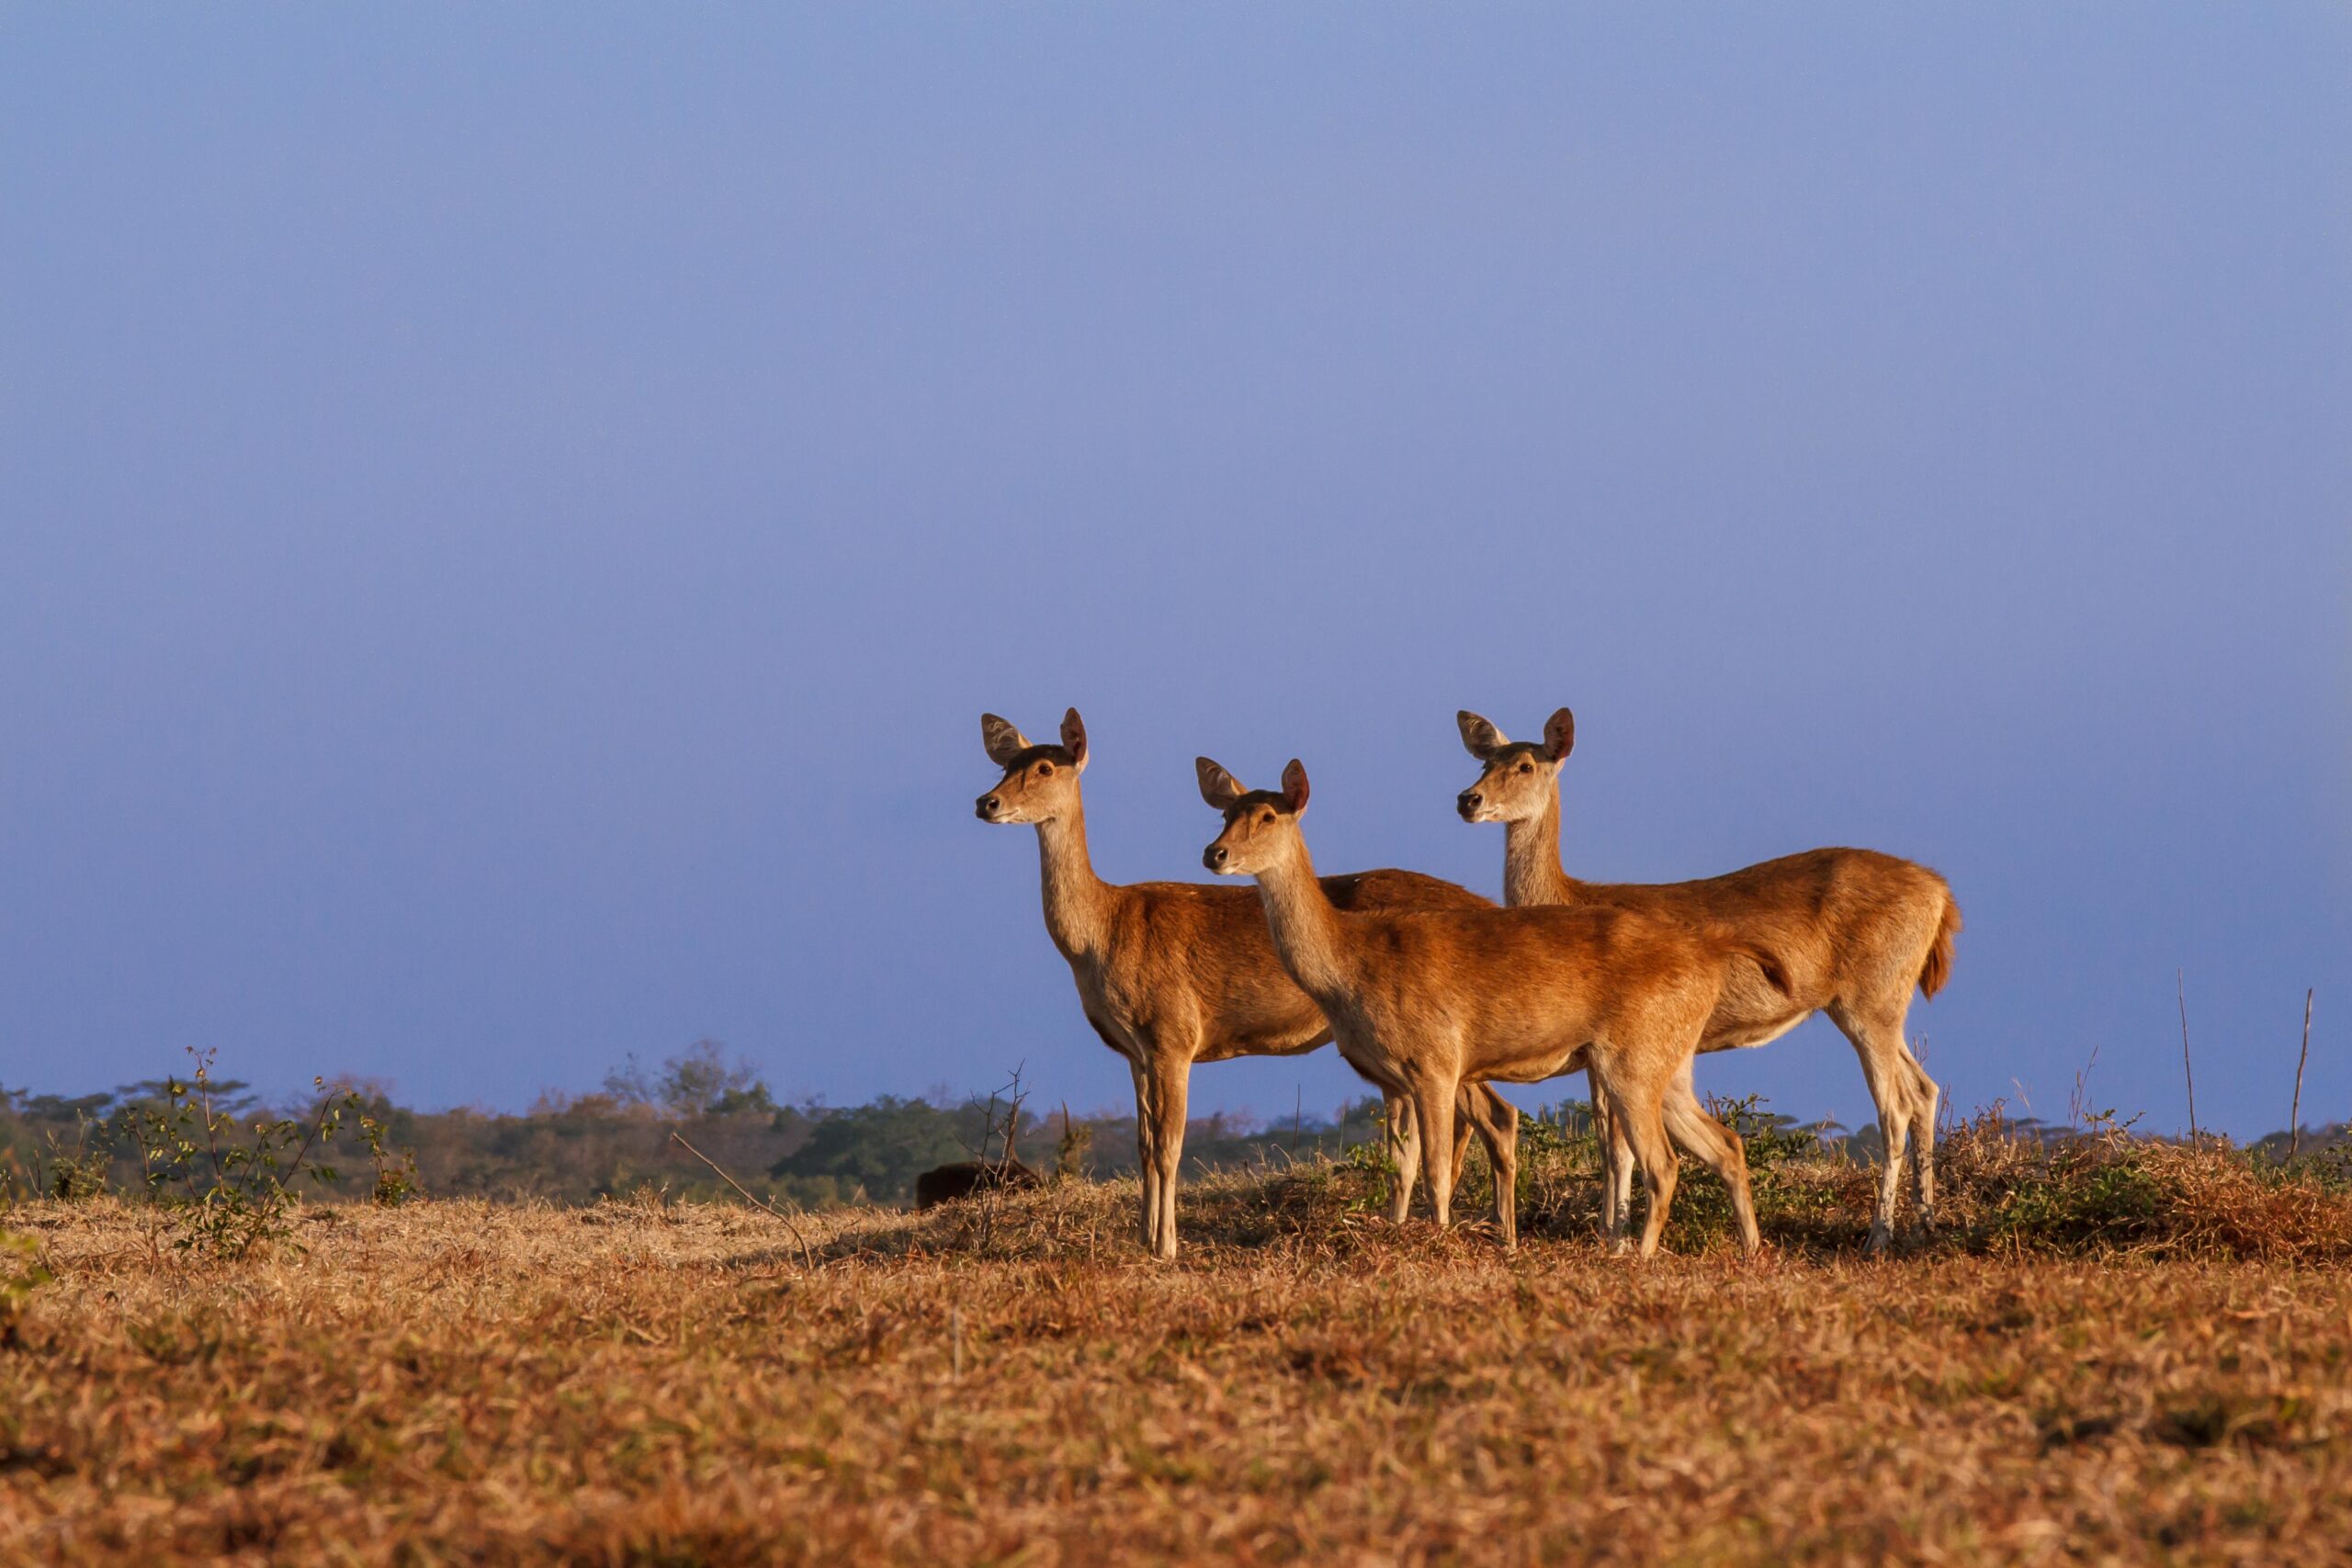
1309 933
1532 871
1076 901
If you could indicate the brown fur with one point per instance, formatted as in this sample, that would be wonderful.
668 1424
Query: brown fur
1858 929
1937 968
1174 973
946 1183
1423 1001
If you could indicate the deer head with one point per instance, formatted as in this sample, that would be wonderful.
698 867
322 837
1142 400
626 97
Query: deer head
1521 777
1261 826
1040 782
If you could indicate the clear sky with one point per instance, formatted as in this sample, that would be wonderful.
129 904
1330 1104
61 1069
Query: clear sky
509 517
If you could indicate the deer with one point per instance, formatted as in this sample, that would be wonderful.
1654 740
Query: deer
1171 974
1423 1001
1858 930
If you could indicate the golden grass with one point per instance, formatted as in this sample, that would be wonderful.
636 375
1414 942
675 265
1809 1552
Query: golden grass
660 1383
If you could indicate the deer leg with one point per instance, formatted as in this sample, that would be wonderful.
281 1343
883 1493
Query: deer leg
1925 1097
1146 1152
1433 1109
1640 1107
1496 1120
1601 1136
1715 1146
1464 1125
1616 1164
1878 1041
1172 1079
1403 1153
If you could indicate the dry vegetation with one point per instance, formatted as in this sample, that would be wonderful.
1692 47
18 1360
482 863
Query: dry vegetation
2147 1353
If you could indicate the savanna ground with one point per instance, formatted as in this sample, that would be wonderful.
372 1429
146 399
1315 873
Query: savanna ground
2120 1351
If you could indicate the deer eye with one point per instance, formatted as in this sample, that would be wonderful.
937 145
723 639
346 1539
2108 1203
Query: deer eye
1526 767
1045 770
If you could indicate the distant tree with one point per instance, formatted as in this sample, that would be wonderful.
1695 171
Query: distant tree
881 1146
698 1081
231 1096
627 1087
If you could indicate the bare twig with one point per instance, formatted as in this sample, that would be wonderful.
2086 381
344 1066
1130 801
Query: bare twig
807 1257
2079 1111
2180 984
979 1152
991 1192
2295 1117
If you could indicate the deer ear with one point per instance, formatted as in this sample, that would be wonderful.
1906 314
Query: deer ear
1219 788
1560 734
1294 786
1480 739
1003 743
1074 738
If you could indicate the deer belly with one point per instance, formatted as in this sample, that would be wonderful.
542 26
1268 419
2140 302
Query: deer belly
1739 1035
1535 1069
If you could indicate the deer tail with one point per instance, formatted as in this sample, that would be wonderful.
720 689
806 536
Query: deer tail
1937 968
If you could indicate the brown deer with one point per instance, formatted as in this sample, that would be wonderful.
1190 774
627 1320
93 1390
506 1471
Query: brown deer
1857 930
1425 1000
1174 973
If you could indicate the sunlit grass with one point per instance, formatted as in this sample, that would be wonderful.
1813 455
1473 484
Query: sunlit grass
674 1382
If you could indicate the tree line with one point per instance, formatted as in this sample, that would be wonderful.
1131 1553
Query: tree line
626 1138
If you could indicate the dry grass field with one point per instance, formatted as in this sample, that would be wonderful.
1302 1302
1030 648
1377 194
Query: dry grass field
659 1382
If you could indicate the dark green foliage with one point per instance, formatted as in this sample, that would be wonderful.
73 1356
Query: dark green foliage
2079 1198
879 1148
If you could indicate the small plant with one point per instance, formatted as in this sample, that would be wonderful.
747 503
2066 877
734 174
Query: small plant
71 1172
21 1273
396 1179
226 1192
1770 1137
1074 1148
1371 1159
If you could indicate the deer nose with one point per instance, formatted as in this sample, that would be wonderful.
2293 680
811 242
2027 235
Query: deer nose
1214 856
986 807
1467 802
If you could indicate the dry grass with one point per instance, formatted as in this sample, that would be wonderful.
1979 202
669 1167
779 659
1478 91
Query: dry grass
652 1383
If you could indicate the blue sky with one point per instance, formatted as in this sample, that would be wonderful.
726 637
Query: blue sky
509 516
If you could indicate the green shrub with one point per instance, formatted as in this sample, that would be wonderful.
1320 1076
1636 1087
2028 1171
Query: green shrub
227 1191
21 1273
2078 1198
